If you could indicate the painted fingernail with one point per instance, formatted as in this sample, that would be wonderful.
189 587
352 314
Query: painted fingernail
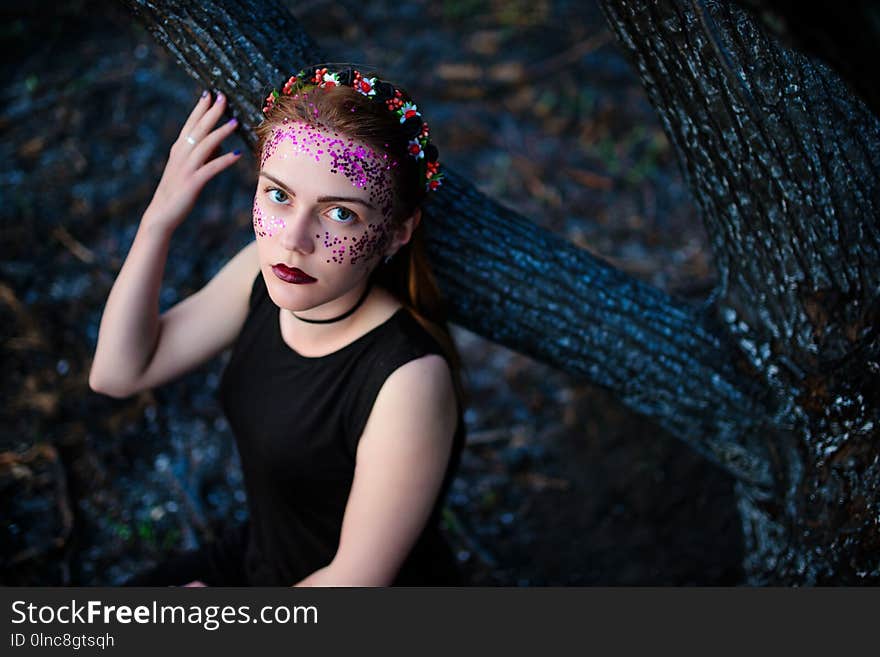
205 93
219 96
236 152
233 120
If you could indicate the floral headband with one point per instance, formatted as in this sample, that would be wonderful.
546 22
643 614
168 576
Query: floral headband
392 98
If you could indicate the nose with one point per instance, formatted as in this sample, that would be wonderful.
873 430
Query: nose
297 233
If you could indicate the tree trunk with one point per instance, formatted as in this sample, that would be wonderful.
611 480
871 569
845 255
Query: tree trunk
783 161
774 377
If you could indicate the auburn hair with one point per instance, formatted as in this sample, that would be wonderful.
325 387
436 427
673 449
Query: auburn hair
408 275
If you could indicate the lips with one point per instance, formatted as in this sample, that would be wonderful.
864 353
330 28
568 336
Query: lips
292 274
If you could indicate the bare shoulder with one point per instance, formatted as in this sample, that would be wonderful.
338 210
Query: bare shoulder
429 375
418 397
430 371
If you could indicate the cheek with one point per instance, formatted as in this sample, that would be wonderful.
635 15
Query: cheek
371 242
339 246
265 226
356 248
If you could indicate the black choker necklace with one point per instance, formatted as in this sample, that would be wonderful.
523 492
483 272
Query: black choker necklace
343 315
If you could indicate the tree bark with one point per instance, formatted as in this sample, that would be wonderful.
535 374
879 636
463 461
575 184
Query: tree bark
774 376
848 40
783 162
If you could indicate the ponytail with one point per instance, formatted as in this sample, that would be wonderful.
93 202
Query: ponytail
409 278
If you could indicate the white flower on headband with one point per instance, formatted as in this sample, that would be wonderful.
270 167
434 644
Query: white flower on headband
366 86
407 111
419 148
415 149
330 80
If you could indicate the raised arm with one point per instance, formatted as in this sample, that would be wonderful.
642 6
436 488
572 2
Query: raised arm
129 333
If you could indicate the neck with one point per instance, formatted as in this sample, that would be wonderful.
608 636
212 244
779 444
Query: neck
336 318
343 313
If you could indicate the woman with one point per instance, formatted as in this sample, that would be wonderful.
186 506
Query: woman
343 388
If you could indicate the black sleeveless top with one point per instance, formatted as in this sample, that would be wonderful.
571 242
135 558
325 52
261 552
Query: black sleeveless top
297 421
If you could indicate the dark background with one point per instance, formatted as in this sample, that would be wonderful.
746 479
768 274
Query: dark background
560 485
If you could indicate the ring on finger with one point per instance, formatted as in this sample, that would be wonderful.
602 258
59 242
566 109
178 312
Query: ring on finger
191 140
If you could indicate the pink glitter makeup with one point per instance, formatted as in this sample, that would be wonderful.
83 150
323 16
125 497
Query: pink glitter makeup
363 166
265 228
258 220
363 247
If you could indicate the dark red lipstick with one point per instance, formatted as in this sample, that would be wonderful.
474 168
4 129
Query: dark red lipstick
292 274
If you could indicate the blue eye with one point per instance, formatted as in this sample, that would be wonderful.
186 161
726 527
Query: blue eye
352 217
347 217
273 190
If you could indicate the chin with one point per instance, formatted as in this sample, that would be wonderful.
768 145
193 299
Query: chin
290 297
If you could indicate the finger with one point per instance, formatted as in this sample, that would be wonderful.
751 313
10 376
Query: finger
209 144
209 119
215 166
198 111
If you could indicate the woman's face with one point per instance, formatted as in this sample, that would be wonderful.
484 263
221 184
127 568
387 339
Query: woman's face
322 206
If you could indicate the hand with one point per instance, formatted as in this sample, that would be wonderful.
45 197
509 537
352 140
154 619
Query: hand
189 168
195 583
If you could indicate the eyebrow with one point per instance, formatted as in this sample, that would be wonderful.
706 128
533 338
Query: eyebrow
321 199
